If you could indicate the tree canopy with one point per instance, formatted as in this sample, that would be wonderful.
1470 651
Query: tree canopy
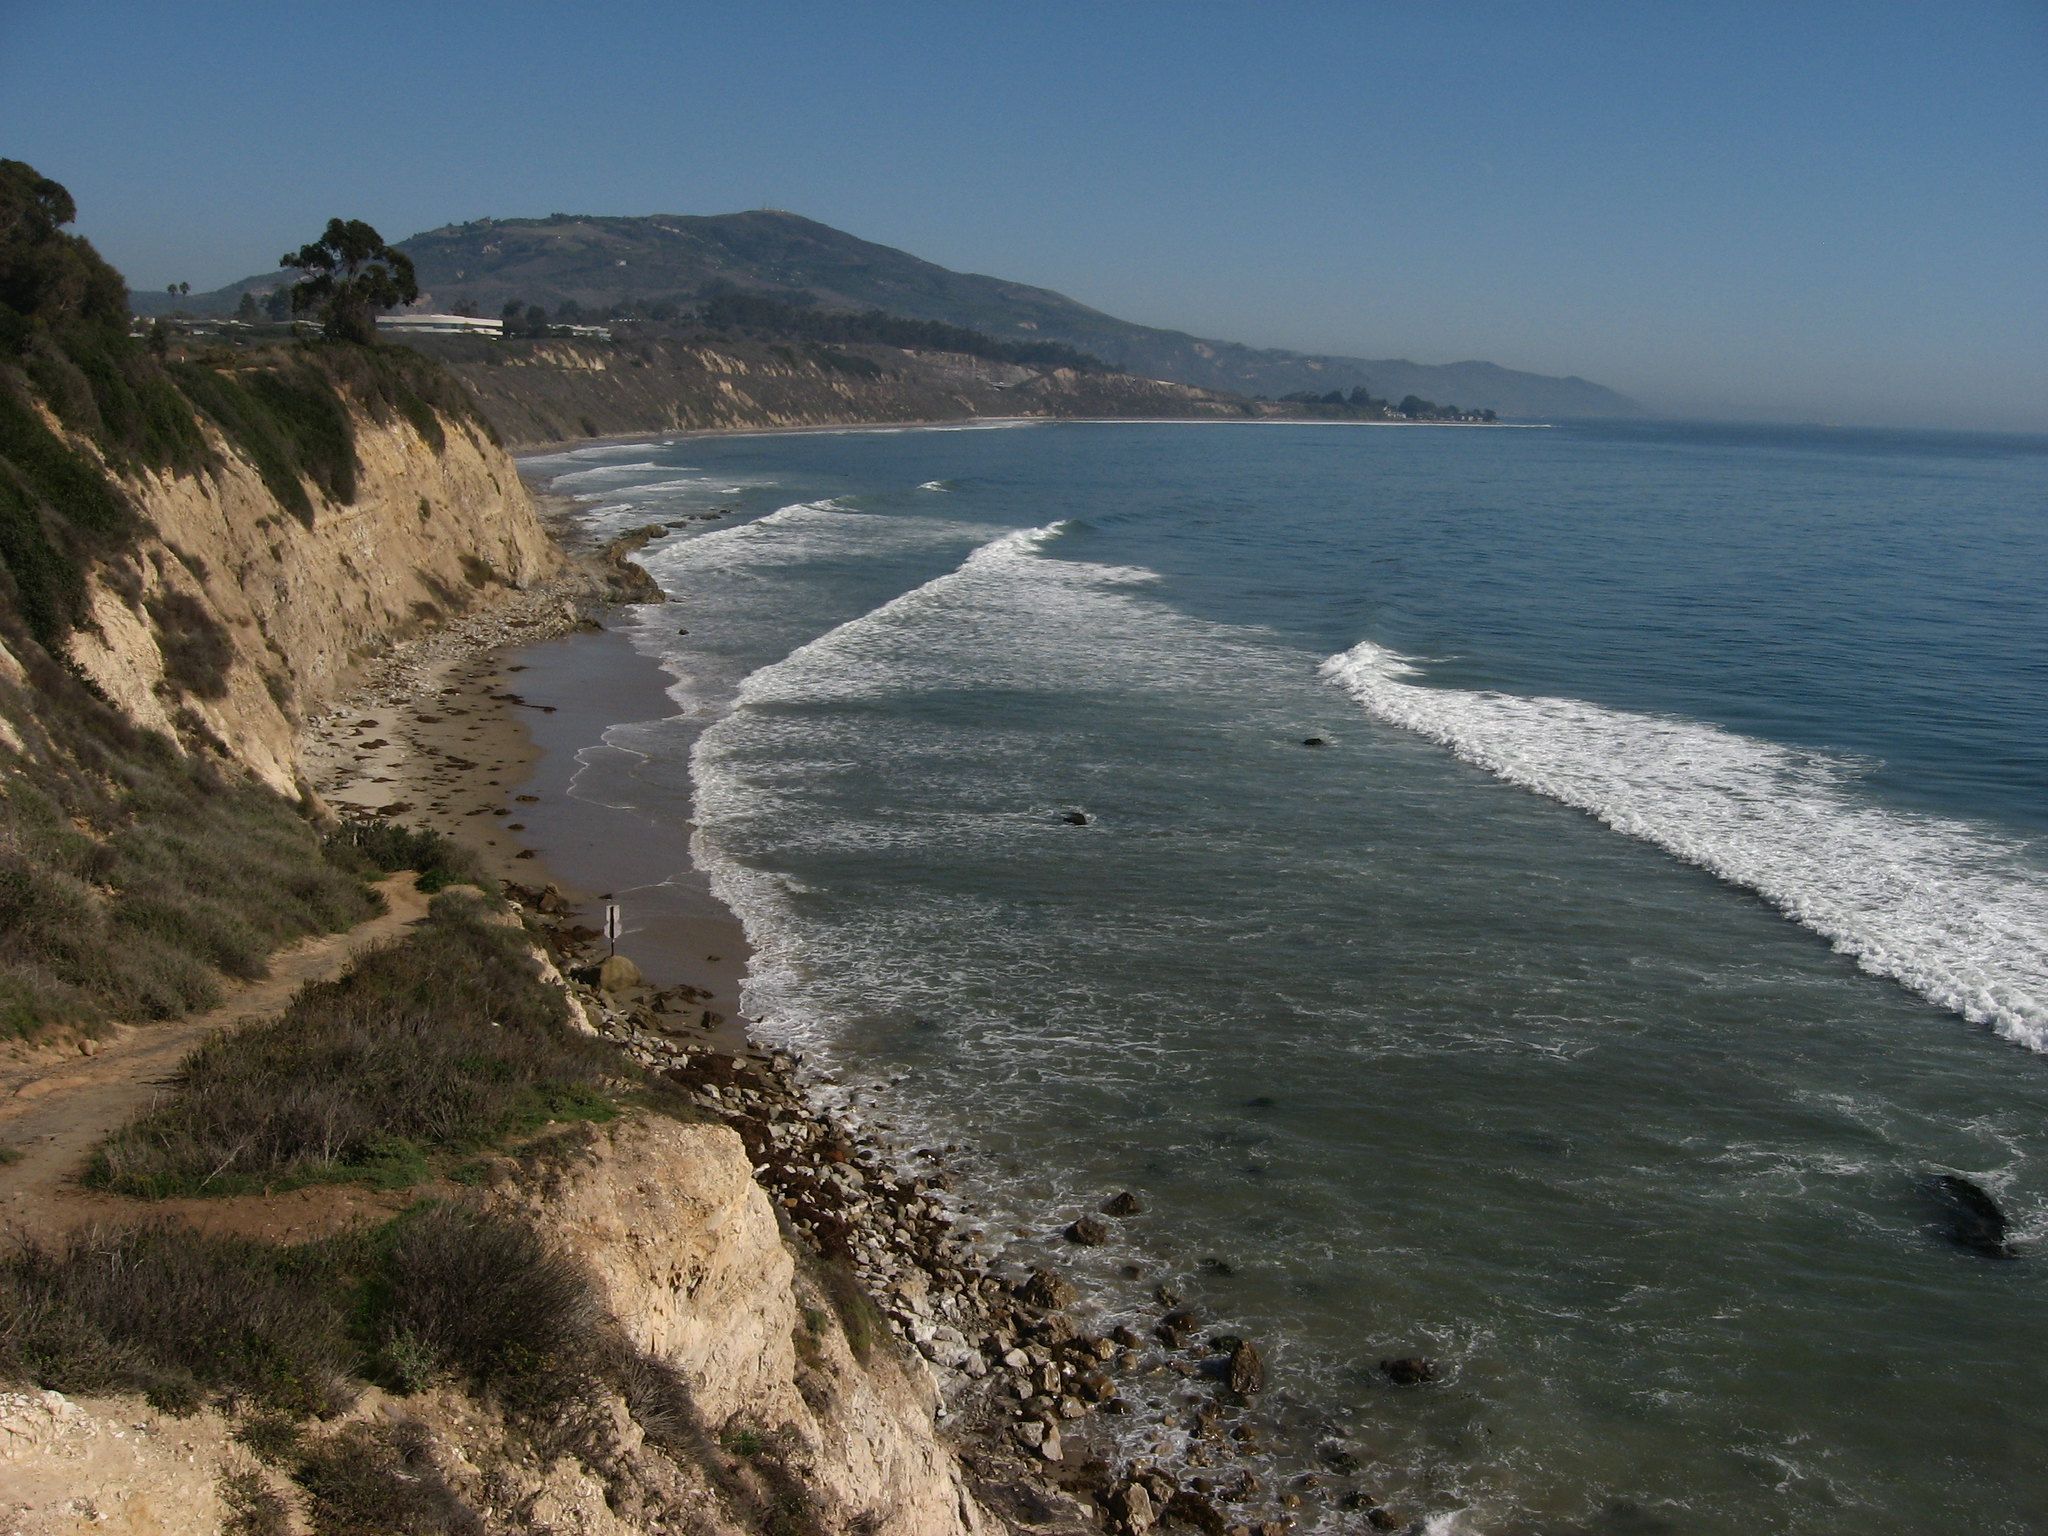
49 278
350 275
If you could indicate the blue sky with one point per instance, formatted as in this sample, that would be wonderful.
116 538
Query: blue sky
1828 212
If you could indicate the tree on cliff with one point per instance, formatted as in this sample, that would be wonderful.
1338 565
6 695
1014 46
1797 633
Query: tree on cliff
350 275
49 279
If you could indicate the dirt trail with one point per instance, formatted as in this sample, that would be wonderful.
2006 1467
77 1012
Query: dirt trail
54 1111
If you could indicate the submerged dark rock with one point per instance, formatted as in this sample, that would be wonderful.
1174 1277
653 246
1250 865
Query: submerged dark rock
1409 1371
1125 1204
1088 1232
1313 741
1247 1373
1972 1218
1076 818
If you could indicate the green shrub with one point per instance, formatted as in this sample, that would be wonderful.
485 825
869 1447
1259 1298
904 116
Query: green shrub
386 846
254 1508
129 876
443 1042
381 1480
196 649
168 1311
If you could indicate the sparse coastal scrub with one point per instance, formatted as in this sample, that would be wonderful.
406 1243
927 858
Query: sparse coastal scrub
440 1044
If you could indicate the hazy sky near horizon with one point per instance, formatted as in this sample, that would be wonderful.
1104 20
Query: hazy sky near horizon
1825 211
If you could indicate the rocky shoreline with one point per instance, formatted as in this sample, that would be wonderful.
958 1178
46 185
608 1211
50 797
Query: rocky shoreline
1061 1421
1031 1391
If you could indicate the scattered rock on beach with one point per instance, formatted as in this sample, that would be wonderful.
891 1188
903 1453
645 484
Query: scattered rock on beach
1046 1289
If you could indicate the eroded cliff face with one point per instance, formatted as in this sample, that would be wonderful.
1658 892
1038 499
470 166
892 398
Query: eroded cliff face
233 619
690 1259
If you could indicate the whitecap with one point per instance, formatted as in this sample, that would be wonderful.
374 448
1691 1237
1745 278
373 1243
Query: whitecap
1952 910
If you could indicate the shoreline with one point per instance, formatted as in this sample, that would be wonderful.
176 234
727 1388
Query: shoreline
478 730
525 450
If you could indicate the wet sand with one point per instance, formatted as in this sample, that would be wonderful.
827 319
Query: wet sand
478 735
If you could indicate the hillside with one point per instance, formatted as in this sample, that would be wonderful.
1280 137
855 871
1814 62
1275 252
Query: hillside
535 392
676 258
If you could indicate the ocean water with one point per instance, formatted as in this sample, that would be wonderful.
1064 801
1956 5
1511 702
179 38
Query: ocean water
1666 907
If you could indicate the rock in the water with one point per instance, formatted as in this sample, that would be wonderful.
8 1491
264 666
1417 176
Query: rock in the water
1046 1289
1132 1504
1410 1371
1973 1218
1175 1328
1088 1232
1313 741
1125 1204
1247 1369
617 974
1198 1510
1075 818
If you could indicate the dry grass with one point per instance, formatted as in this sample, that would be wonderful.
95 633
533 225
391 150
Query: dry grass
440 1043
172 1313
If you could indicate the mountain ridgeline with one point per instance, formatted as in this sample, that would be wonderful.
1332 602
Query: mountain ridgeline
683 260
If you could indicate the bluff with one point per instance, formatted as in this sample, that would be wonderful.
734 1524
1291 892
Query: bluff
548 391
677 259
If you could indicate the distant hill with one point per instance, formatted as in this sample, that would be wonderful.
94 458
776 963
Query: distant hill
680 257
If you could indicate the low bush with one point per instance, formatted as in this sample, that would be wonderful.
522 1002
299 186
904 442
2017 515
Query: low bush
385 846
253 1507
440 1043
173 1313
196 650
131 876
381 1480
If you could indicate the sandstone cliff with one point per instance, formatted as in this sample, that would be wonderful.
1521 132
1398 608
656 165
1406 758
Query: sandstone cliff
687 1255
551 391
282 609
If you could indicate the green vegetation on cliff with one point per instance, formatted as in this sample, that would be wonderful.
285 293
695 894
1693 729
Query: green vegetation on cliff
65 349
133 875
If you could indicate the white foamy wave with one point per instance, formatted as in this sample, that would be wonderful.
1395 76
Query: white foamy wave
608 471
935 485
1952 911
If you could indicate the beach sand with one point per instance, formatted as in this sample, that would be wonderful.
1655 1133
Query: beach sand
475 731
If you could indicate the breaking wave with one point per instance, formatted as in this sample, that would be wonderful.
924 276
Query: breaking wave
1952 911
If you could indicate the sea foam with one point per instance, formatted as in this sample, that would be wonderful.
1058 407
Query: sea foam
1951 910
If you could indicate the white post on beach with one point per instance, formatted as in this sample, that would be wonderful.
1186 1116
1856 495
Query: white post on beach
611 925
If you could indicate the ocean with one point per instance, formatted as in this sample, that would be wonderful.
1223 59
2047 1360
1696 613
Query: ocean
1663 909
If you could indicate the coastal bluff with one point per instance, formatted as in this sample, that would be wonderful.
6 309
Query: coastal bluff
686 1254
233 619
229 618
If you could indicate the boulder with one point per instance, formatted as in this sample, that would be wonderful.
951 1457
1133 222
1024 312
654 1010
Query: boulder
618 974
1247 1371
1409 1371
1088 1232
1046 1289
1132 1506
1075 818
1313 741
1198 1510
1972 1218
1125 1204
1175 1328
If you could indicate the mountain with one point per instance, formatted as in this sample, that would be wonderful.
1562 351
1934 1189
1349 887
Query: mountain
677 257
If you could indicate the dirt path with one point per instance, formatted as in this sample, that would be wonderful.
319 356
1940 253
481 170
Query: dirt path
53 1112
